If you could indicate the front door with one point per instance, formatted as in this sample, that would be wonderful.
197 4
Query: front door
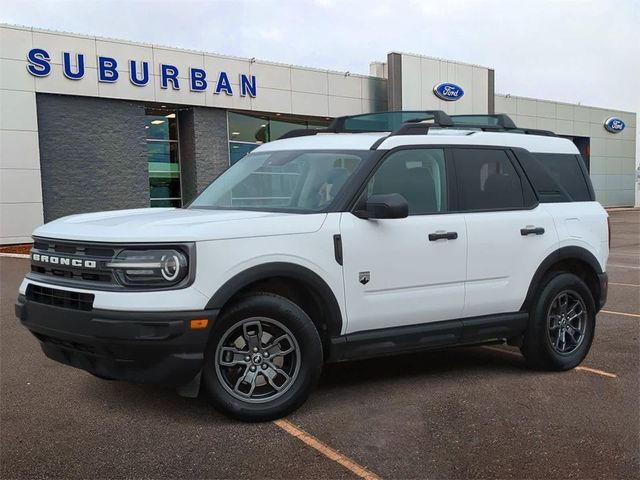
411 270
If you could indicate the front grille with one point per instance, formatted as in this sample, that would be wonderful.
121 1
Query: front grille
72 261
60 298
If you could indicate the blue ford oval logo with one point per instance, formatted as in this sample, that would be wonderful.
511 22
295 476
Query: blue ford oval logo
614 124
448 91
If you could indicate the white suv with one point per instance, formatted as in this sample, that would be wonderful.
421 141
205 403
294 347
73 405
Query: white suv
382 234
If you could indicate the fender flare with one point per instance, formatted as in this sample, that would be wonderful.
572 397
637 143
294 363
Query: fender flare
287 270
564 253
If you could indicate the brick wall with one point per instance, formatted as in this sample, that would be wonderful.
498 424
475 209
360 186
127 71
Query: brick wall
92 155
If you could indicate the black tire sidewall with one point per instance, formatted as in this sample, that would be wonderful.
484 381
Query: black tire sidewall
302 328
537 346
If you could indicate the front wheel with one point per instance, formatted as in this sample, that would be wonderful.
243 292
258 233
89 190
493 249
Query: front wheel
263 359
561 324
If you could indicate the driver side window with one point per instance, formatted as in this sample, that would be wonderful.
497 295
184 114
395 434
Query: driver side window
418 175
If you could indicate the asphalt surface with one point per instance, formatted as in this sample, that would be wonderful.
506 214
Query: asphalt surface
462 413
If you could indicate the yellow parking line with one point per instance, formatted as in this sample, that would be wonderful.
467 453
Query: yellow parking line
597 372
583 369
326 450
620 313
625 284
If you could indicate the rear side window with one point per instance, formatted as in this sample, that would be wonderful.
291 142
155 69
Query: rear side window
566 170
487 180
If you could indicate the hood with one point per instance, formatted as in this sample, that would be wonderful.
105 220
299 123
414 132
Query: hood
177 225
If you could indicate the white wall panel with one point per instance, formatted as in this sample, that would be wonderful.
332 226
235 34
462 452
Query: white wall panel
564 111
309 81
339 106
15 42
598 146
272 76
545 109
309 103
127 90
19 149
14 75
272 100
480 90
597 165
411 82
56 82
123 52
56 43
18 220
20 186
179 59
525 106
581 114
18 110
341 85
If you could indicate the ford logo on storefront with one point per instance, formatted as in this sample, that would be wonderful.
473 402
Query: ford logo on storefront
614 124
448 91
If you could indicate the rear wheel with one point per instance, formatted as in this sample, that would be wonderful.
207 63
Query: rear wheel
263 359
561 324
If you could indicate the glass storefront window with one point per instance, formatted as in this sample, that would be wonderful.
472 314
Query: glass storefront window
247 132
163 155
237 150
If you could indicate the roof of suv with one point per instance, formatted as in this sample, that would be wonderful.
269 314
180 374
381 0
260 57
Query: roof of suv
435 136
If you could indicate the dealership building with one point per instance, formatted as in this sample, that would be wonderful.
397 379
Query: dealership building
89 123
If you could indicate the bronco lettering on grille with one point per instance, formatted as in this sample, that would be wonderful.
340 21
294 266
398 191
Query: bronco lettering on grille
55 260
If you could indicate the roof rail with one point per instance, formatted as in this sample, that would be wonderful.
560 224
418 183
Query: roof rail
495 120
388 121
304 132
417 122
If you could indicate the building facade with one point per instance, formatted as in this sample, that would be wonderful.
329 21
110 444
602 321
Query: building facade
90 124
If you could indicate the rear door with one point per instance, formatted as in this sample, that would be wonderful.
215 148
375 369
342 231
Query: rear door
409 270
509 233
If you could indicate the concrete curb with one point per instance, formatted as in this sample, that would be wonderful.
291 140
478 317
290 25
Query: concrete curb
14 255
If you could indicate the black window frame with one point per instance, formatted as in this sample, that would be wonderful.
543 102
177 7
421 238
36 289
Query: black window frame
529 195
580 163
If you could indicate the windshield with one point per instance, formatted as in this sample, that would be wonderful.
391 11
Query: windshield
296 181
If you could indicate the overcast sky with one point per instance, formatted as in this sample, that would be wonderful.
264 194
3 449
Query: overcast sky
585 51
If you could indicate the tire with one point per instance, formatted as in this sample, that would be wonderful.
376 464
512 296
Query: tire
102 377
263 358
561 298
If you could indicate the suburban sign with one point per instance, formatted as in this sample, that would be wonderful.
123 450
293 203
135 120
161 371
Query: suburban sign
448 91
614 124
109 71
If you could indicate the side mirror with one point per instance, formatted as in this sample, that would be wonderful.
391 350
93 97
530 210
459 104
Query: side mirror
388 205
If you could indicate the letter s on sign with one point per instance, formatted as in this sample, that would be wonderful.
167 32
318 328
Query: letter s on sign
39 65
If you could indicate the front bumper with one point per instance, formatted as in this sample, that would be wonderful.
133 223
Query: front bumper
140 347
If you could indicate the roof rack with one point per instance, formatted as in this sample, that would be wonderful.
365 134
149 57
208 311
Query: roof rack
409 122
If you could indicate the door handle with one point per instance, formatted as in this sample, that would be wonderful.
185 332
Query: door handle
440 236
531 231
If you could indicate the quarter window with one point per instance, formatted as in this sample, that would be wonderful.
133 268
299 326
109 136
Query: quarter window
418 175
487 180
566 170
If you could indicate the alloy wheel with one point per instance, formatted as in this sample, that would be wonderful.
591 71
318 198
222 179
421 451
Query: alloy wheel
257 360
566 322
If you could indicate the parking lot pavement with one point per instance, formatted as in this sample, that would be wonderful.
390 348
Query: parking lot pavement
463 413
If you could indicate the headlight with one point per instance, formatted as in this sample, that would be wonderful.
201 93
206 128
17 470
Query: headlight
150 268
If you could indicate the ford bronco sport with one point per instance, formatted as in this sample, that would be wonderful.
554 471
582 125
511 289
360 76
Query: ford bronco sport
381 234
